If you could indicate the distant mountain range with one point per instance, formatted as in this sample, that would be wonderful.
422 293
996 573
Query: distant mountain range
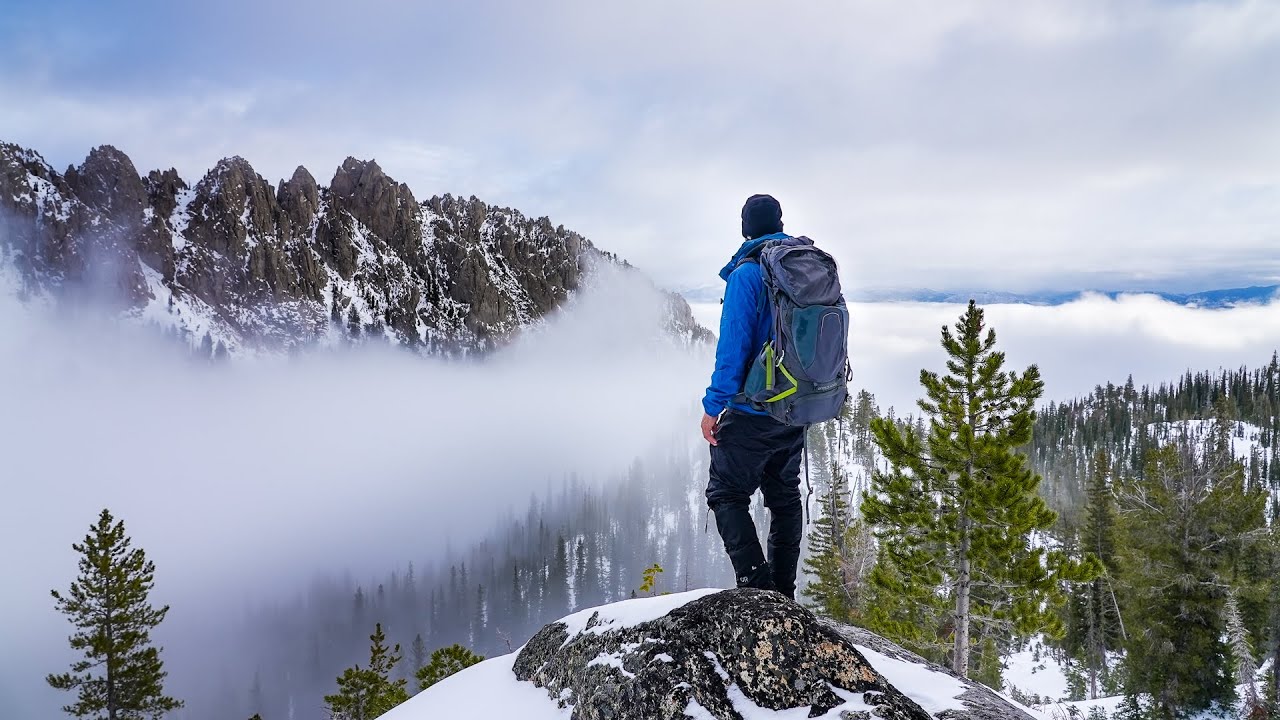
254 266
1208 299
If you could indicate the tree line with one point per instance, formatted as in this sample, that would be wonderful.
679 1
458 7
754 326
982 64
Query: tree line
1157 577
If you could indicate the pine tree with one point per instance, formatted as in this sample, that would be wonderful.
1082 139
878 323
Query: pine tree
1185 525
445 662
841 553
121 676
558 580
353 323
956 512
419 650
364 694
1273 618
1094 625
1242 653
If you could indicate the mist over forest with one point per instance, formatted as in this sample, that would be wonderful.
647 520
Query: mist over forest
290 503
248 482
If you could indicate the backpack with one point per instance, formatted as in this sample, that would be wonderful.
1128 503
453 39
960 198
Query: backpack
801 374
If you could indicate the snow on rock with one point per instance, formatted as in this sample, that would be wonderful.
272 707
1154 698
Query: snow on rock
739 655
725 655
936 689
626 614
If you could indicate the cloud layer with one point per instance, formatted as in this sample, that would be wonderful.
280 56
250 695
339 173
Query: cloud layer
1033 146
1077 346
244 481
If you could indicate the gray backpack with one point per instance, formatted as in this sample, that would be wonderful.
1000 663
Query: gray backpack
801 375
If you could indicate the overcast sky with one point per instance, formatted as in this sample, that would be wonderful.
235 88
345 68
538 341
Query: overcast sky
1003 145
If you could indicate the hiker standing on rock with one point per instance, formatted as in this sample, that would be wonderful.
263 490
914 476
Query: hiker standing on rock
781 364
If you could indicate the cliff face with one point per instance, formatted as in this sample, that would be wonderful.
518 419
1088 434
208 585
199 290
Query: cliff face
263 267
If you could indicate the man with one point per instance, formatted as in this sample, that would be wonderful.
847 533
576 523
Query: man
749 449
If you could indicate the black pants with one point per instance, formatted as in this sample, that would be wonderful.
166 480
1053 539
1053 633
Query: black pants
756 451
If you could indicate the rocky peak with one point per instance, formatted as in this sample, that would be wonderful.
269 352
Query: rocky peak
272 267
54 234
300 198
386 207
231 201
108 182
162 191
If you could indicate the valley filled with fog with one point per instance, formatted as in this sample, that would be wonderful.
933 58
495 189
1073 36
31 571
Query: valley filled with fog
249 483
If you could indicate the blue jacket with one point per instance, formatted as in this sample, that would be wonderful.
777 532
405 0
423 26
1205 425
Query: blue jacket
744 329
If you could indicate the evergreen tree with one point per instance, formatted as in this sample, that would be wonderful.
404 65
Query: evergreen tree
419 650
353 323
121 676
956 512
1246 668
1184 524
445 662
364 694
1272 565
841 553
558 580
1094 626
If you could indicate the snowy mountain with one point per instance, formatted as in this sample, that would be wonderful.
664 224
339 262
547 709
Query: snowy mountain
258 267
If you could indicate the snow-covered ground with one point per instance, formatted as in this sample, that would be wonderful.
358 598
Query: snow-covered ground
1047 679
1245 438
1034 673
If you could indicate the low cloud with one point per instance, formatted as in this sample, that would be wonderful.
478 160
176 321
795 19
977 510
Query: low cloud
247 479
1077 346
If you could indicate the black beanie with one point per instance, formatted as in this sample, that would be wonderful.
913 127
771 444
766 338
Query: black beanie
762 215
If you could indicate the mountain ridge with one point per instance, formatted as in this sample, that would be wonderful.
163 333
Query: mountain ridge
260 267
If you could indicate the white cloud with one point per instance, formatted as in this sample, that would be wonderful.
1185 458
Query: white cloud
921 140
260 475
1077 346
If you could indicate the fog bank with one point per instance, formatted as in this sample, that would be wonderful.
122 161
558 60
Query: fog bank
1078 345
244 480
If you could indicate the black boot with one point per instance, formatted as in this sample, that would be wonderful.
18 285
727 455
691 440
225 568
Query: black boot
761 578
733 520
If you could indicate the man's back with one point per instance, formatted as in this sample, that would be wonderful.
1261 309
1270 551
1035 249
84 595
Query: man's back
749 449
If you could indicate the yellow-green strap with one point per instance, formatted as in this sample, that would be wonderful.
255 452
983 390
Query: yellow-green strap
768 366
785 393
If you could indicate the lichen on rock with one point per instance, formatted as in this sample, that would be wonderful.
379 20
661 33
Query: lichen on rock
723 652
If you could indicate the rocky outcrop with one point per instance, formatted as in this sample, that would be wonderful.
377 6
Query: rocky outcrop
275 267
54 237
717 656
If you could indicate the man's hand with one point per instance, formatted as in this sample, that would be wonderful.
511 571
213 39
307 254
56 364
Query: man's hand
709 427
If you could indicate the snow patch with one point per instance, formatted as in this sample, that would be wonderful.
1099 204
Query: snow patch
485 691
932 690
628 613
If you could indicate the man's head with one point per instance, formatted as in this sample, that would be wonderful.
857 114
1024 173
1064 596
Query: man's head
762 215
